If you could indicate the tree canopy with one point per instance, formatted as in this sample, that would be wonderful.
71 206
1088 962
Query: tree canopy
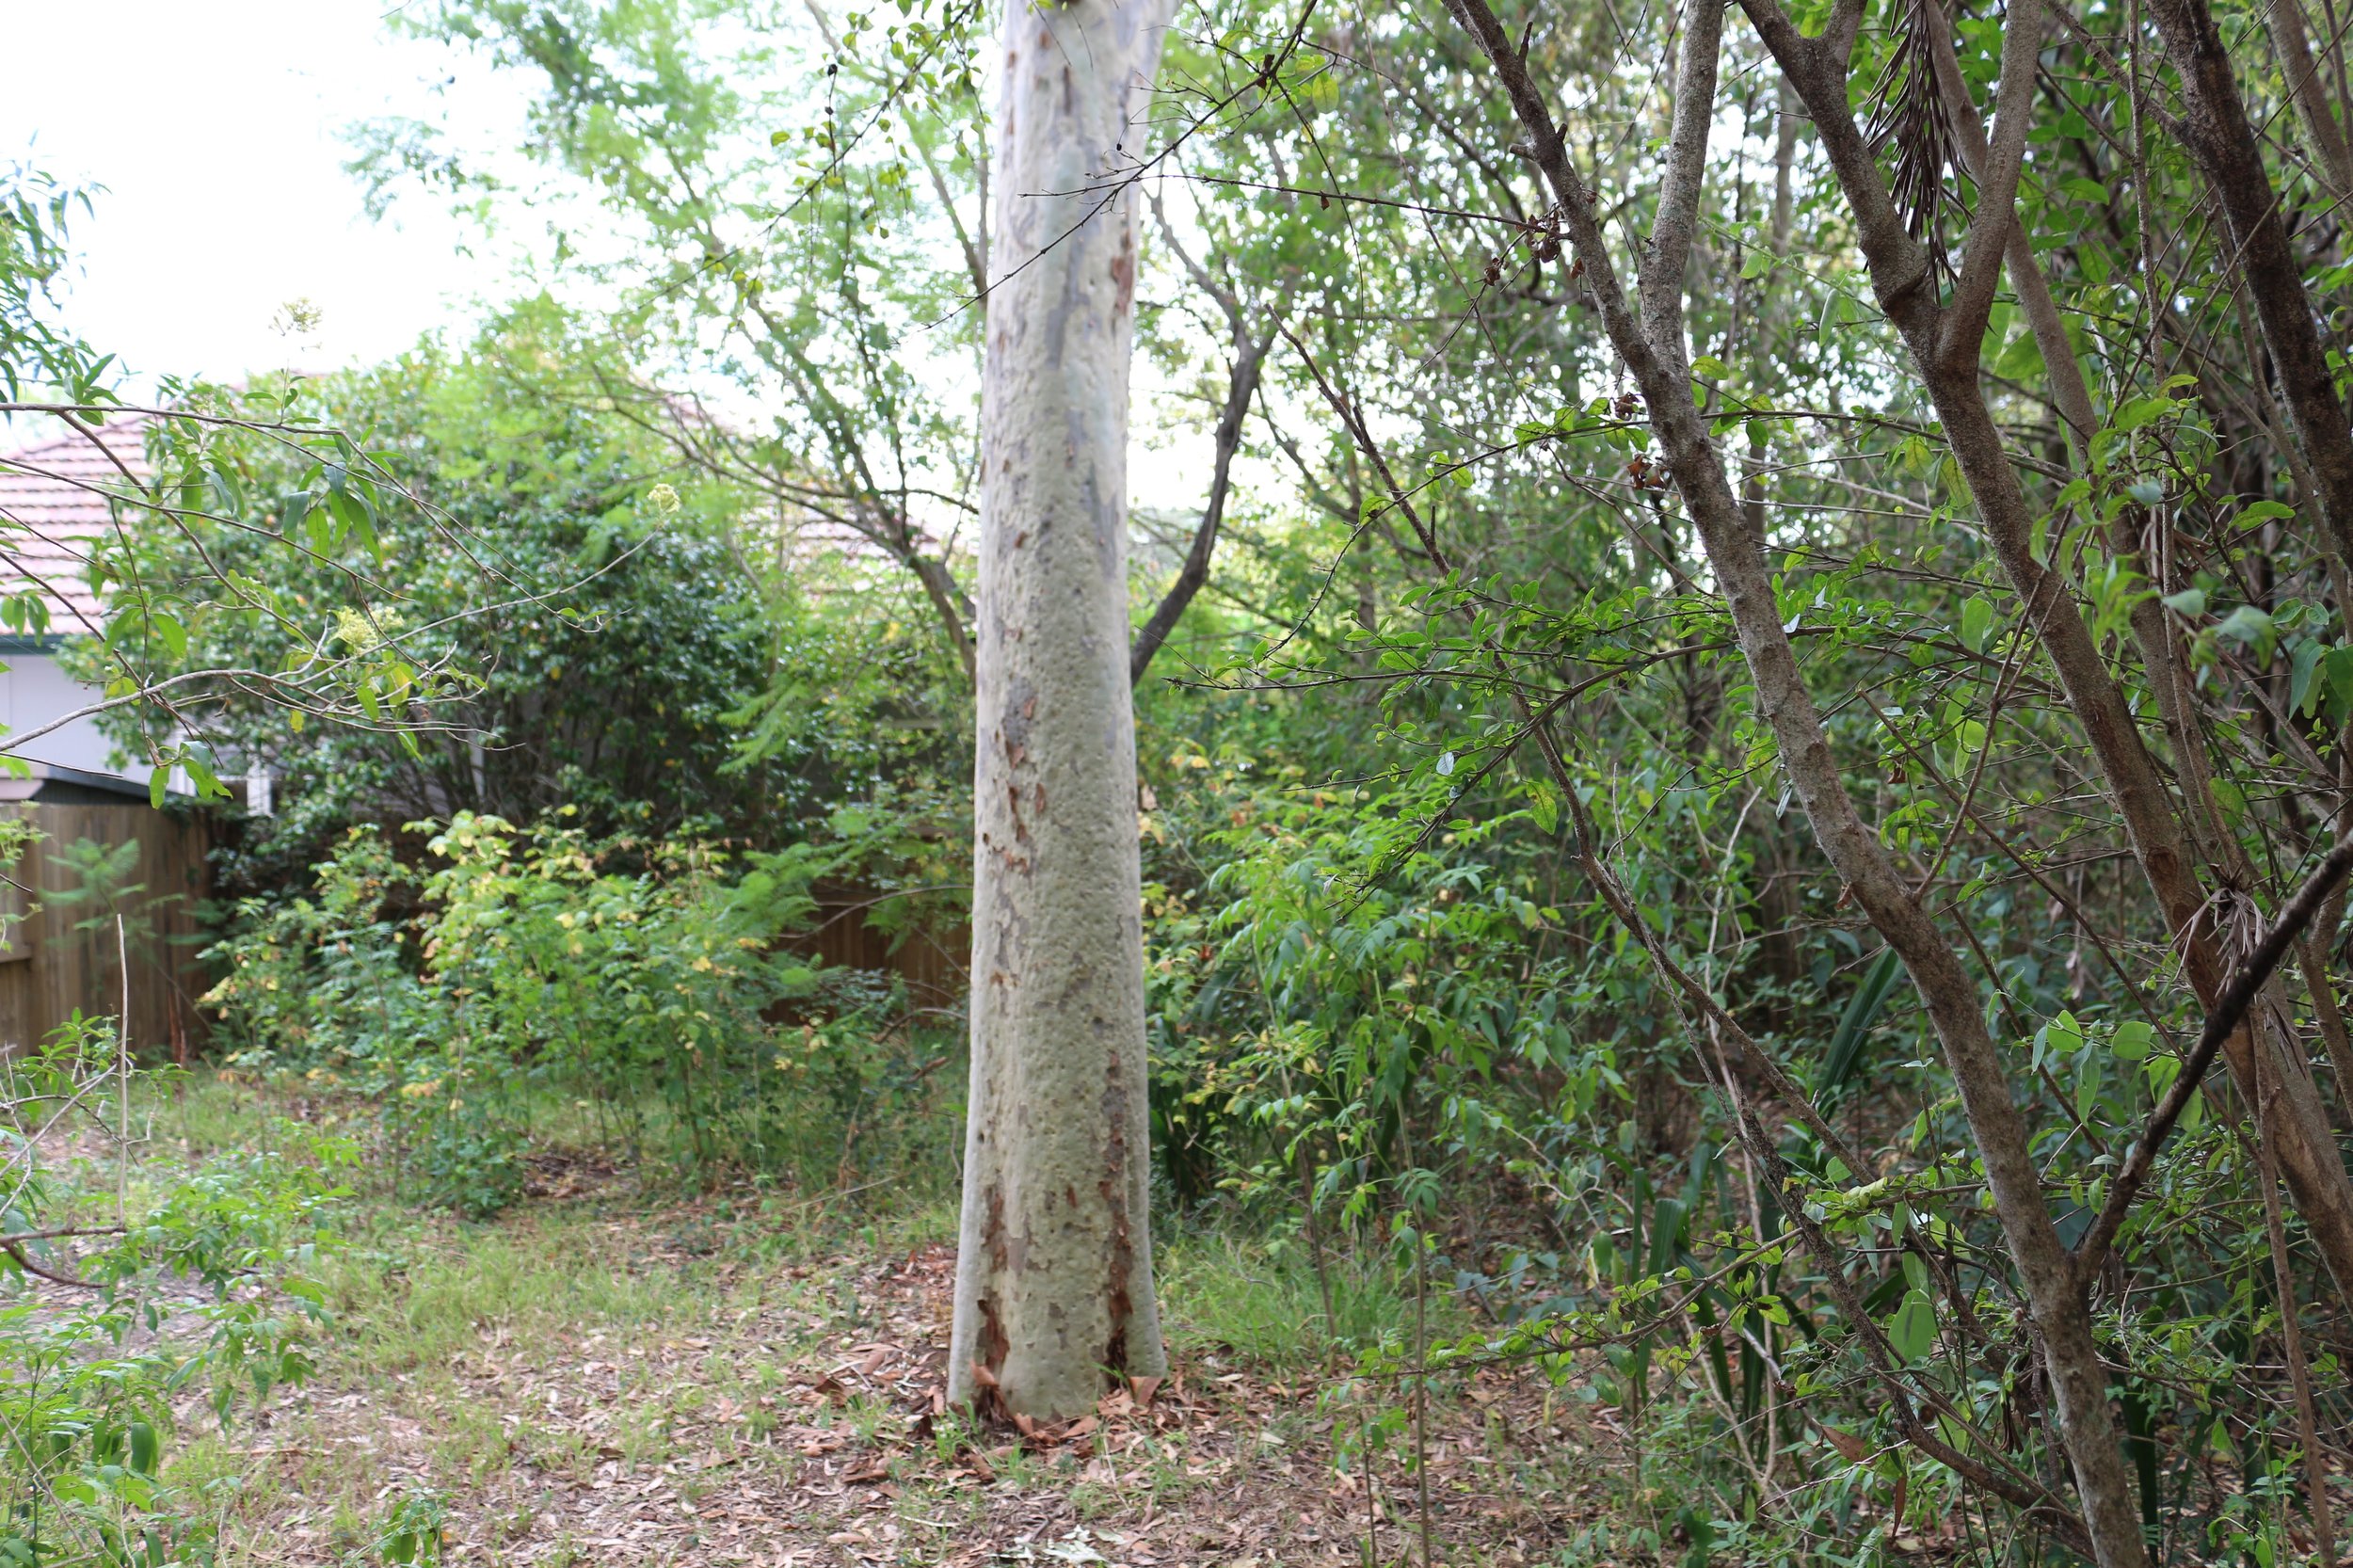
1743 676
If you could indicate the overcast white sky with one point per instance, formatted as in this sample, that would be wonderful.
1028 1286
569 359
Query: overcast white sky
216 126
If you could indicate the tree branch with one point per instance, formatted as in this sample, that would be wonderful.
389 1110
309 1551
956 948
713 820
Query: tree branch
2229 1011
1661 283
1996 217
1241 388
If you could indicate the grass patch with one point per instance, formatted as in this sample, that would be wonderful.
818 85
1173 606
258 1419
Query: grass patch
1264 1301
615 1354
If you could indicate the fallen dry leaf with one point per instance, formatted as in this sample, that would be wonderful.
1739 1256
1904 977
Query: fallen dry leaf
796 1487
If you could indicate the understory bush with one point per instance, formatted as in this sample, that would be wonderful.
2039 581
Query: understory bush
124 1295
641 984
1449 1094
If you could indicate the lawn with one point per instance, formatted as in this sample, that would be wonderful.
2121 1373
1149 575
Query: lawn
611 1372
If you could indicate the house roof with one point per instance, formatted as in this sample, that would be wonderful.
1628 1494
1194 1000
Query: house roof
53 785
58 496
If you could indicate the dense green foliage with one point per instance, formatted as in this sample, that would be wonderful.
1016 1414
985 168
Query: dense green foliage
36 349
197 1285
1504 944
636 980
617 635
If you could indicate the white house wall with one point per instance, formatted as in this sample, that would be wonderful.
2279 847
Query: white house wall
33 691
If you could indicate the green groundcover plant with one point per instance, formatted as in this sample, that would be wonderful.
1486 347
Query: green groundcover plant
130 1301
639 982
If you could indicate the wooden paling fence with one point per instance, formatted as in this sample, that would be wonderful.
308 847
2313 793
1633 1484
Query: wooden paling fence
931 957
95 862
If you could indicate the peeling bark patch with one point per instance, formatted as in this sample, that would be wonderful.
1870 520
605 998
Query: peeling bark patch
1120 1259
1124 276
1020 707
993 1236
992 1348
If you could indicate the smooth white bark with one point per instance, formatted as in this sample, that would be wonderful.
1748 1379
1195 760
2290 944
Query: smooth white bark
1054 1269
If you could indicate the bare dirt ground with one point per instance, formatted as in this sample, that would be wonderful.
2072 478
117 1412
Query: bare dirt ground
687 1406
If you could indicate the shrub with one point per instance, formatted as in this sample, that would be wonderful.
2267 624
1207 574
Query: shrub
637 980
199 1281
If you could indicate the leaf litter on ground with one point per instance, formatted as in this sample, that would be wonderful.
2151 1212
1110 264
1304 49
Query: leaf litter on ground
788 1415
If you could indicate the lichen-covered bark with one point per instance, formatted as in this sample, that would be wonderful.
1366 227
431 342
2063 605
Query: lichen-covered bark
1054 1268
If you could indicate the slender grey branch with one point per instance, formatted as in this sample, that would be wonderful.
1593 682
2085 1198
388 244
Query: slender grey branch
1661 283
1997 182
1242 389
2069 394
25 1262
2230 1011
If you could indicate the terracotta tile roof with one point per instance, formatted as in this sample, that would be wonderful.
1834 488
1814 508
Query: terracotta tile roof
55 497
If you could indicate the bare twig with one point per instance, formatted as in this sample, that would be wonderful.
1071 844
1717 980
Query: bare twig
2230 1011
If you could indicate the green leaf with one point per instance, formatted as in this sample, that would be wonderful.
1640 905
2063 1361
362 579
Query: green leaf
142 1448
2019 360
2189 602
1544 806
2062 1036
1912 1331
1977 623
1855 1025
2132 1040
2338 668
2246 625
2303 665
208 784
2087 1087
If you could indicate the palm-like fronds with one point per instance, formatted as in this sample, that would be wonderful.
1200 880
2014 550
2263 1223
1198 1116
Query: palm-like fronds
1908 108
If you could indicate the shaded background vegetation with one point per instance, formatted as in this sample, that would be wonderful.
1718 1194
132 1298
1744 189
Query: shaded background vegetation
1454 772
